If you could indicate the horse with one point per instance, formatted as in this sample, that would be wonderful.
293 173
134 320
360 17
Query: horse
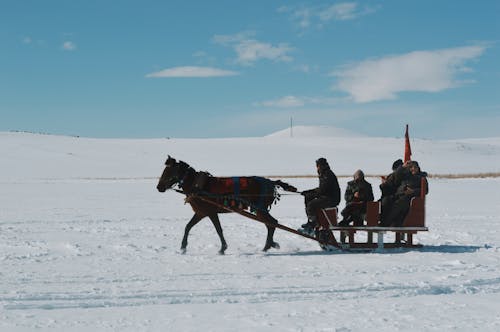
209 196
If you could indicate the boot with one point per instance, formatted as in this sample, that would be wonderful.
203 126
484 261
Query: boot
358 222
306 229
312 223
345 222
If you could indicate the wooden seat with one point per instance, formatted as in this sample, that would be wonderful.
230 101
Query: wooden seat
416 214
327 217
372 214
414 218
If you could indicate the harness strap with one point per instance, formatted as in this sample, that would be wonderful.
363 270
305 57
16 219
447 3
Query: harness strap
181 181
236 183
263 184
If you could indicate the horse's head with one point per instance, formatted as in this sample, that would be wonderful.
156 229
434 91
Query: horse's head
170 175
174 172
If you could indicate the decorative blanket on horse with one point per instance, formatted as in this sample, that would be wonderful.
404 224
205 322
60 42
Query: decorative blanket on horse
227 185
244 190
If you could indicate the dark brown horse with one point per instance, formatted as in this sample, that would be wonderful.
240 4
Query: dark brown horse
209 196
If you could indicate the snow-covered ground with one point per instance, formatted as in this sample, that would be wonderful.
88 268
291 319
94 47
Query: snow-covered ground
87 243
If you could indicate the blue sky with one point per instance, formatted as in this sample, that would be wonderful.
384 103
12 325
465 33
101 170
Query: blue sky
105 68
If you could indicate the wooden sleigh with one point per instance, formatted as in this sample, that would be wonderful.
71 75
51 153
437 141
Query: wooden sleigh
403 236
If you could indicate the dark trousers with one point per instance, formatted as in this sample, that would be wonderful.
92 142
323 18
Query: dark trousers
313 204
354 211
386 203
395 212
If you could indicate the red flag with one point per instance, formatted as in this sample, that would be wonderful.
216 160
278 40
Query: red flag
407 146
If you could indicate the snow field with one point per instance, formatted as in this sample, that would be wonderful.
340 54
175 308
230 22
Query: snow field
104 255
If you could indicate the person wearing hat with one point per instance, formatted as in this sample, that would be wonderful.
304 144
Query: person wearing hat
357 193
390 184
410 186
327 194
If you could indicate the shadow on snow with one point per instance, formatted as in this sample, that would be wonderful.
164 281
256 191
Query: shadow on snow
447 249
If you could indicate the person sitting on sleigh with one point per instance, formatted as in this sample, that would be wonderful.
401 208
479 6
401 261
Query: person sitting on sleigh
357 193
327 194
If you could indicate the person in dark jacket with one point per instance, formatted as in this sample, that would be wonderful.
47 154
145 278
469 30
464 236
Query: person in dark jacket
327 194
357 193
390 183
389 186
410 186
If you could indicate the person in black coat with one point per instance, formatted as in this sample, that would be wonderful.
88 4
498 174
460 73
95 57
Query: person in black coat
410 186
357 193
390 185
327 194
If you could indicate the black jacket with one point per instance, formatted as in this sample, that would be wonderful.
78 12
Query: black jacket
363 187
328 186
393 181
413 182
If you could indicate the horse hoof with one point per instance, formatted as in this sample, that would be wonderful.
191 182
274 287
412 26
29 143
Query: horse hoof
274 245
183 251
223 249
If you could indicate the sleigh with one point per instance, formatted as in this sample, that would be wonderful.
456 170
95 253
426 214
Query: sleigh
362 237
351 237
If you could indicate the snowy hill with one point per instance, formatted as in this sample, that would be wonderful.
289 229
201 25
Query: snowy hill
315 131
34 156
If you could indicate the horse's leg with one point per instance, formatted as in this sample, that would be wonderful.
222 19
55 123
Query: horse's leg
218 228
270 233
194 220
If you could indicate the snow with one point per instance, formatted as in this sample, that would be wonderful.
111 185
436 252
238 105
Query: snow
87 243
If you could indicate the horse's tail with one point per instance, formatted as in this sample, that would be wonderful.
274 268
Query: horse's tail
285 186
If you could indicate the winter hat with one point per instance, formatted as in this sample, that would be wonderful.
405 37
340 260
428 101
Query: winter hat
359 174
322 163
398 163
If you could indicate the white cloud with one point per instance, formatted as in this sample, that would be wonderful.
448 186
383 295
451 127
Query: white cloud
27 40
340 11
344 11
200 54
68 46
250 50
192 71
284 102
294 101
227 40
304 68
303 16
425 71
319 15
